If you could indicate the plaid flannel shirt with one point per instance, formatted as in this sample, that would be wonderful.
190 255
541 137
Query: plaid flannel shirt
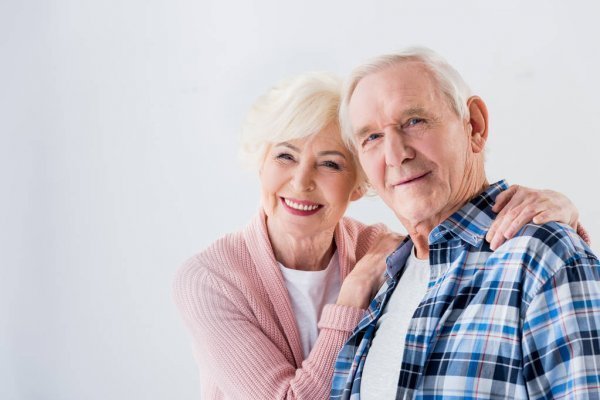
519 322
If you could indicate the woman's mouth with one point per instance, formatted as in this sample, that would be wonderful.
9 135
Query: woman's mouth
300 207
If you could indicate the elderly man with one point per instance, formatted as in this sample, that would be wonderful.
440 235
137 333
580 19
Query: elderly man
457 318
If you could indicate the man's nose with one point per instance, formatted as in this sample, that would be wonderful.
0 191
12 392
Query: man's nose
397 149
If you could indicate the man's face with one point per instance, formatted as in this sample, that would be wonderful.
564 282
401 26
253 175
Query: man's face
413 147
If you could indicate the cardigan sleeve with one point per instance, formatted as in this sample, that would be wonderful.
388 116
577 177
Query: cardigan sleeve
242 359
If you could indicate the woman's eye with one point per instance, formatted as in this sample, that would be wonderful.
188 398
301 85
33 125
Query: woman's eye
285 156
332 165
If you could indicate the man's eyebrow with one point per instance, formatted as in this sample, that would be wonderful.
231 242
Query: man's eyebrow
362 132
417 110
332 153
410 112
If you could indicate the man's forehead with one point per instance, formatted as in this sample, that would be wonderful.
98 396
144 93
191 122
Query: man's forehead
410 78
394 90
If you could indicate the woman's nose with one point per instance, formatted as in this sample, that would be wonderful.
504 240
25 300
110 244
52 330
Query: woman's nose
303 179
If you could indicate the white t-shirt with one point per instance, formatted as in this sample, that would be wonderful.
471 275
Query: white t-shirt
309 292
384 359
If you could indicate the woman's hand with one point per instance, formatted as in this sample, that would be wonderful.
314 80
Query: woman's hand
519 205
361 285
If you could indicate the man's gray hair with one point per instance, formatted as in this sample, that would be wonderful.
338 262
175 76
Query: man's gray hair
449 81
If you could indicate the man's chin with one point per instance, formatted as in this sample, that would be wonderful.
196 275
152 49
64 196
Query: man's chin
414 217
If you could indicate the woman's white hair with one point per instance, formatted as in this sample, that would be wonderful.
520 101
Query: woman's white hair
294 109
449 82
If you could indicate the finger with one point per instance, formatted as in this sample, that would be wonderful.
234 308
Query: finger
387 244
546 216
584 234
495 225
503 198
543 217
560 209
516 219
558 200
556 206
494 228
384 245
393 240
503 226
524 217
524 197
514 202
490 233
498 237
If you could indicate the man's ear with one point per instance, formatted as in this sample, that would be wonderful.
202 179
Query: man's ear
478 120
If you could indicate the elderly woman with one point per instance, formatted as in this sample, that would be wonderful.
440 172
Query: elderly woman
270 306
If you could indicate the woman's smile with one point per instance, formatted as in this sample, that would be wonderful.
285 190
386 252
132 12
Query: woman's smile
300 207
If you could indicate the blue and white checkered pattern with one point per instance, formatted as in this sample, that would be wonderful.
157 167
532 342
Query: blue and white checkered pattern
519 322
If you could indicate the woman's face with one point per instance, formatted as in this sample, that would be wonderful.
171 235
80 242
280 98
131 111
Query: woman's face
308 183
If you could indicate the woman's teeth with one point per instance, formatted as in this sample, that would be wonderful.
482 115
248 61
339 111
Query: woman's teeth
302 207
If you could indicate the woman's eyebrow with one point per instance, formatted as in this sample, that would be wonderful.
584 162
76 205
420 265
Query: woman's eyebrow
289 146
321 153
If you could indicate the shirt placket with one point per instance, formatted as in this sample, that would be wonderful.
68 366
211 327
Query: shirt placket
440 266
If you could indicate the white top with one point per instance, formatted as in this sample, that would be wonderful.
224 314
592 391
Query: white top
384 359
309 292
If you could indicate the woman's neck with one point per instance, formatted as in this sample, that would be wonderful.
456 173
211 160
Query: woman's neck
297 251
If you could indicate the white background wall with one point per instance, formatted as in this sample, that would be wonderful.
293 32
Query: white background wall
119 123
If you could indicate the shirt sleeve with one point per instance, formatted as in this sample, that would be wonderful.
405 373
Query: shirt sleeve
561 335
243 360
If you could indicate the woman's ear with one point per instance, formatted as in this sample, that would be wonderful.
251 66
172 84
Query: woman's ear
359 192
478 120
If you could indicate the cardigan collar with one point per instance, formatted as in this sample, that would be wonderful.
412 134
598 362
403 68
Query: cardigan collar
259 247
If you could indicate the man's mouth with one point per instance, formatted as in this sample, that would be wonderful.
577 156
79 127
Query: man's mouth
411 179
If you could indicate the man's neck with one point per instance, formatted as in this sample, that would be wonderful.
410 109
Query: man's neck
419 231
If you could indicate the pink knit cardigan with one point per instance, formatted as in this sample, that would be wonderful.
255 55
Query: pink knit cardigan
233 299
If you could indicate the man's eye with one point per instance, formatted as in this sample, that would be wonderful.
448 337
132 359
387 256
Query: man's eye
332 165
414 121
372 137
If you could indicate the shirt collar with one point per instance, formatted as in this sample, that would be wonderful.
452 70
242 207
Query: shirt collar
470 224
397 259
472 221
